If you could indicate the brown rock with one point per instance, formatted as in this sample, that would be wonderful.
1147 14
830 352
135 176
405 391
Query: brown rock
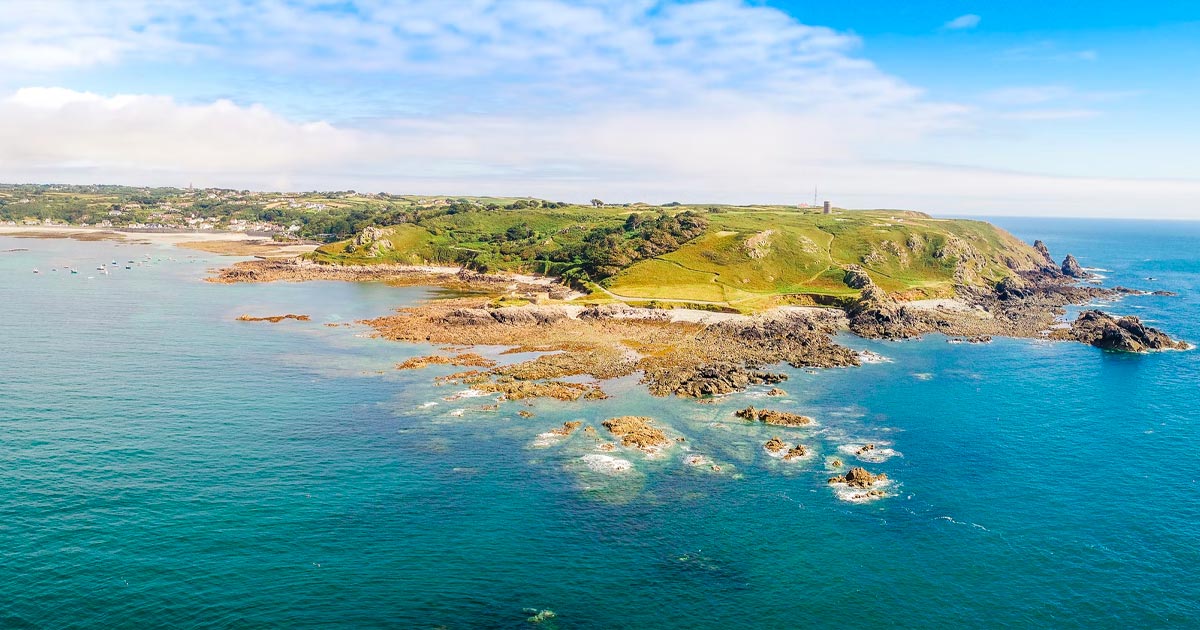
796 452
770 416
274 319
461 360
636 431
1072 269
859 478
567 428
1126 334
774 445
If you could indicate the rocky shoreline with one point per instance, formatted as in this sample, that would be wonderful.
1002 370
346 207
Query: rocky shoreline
708 357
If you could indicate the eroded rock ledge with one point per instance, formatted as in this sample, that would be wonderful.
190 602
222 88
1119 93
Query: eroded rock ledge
676 358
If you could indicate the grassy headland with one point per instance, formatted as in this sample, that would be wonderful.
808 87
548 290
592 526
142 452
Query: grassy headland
740 257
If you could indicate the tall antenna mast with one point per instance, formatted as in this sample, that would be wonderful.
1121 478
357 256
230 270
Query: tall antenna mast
814 195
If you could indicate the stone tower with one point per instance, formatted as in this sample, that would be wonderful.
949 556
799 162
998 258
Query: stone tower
827 209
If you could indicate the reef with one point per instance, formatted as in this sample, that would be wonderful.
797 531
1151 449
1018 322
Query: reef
466 359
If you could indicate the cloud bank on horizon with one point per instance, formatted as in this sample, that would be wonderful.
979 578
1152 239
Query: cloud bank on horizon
715 100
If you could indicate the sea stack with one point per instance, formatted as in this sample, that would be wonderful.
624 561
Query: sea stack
1071 268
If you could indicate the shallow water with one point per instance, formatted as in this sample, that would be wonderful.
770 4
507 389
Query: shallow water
163 464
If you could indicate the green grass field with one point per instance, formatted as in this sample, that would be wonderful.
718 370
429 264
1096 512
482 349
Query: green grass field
745 258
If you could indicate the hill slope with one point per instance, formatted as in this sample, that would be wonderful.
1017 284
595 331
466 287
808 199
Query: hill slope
741 257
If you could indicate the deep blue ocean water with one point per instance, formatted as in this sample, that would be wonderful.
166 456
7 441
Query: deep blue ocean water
164 465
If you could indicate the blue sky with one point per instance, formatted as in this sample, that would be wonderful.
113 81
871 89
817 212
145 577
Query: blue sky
1018 107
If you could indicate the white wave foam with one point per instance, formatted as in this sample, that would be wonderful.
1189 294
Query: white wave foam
875 455
922 376
607 464
457 413
428 405
866 356
850 494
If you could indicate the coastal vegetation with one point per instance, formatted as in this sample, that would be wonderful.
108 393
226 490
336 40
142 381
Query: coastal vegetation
716 257
744 258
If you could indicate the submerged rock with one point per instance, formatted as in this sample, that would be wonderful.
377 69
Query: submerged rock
567 428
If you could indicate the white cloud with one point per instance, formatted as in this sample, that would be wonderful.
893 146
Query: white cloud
963 22
46 128
743 155
716 100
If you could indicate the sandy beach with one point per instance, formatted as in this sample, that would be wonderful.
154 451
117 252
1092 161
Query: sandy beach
226 243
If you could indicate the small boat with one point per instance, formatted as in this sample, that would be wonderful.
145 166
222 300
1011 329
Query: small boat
74 270
128 267
35 270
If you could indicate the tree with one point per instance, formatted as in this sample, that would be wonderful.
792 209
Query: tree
597 203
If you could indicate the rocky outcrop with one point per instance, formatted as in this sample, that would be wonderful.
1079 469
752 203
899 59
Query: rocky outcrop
512 316
558 390
1013 288
718 379
777 418
467 359
1045 252
622 311
1125 334
858 477
775 445
636 431
857 278
1072 269
567 428
796 452
274 319
775 391
371 240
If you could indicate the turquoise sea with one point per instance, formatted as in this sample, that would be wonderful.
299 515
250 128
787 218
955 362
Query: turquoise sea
163 465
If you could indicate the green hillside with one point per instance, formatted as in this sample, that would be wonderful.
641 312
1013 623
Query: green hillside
740 257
